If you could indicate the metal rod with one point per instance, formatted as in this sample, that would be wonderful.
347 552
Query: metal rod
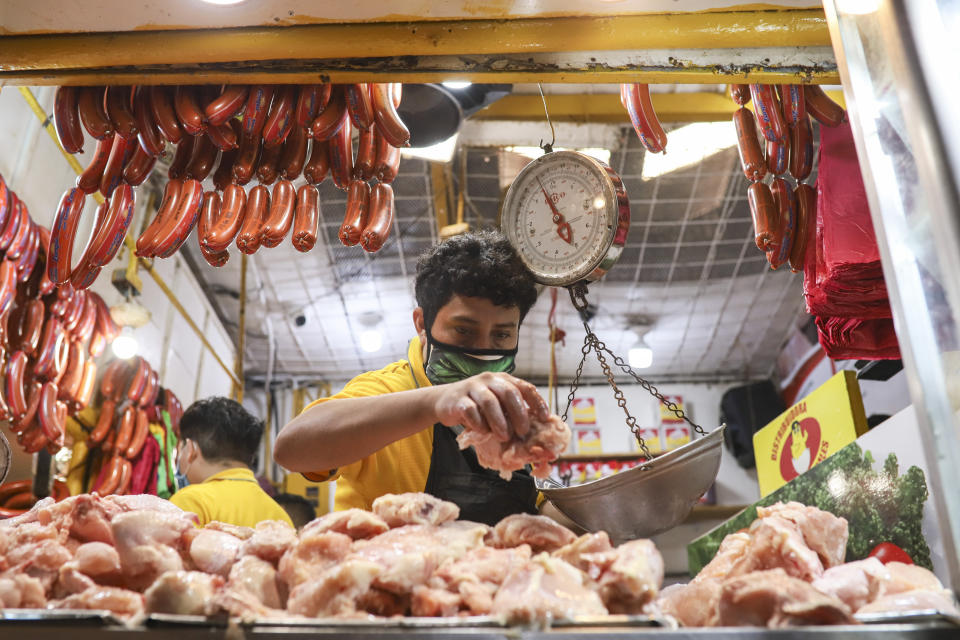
242 329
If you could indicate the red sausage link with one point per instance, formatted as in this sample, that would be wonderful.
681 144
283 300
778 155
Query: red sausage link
822 107
767 109
227 223
329 121
66 120
355 220
278 222
806 198
366 162
801 149
255 113
380 219
751 154
89 180
764 213
227 104
388 121
62 236
161 107
280 117
92 114
307 218
359 105
147 242
255 212
388 161
294 154
319 163
341 156
117 103
188 110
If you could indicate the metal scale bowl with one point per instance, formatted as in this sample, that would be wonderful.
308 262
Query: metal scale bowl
5 457
567 215
647 499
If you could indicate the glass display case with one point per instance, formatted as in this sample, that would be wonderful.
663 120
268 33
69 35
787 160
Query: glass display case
897 61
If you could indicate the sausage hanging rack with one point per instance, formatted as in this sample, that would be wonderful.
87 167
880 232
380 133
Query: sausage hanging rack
578 295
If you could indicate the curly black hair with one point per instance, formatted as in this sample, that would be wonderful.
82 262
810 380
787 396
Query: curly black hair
223 429
481 264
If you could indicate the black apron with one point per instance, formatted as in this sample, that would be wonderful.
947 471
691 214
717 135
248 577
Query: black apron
482 495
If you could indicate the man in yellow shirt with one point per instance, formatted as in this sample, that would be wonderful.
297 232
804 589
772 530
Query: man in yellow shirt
394 430
218 442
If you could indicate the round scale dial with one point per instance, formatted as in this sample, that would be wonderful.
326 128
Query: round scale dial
567 215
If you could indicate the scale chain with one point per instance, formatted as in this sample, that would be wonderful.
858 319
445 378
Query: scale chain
592 343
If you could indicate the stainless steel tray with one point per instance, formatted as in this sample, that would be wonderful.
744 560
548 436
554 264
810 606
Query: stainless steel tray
908 617
60 616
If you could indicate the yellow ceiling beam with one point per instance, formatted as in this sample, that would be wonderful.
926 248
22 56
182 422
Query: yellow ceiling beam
300 52
605 108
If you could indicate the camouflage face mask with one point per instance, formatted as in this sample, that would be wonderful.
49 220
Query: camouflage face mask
447 363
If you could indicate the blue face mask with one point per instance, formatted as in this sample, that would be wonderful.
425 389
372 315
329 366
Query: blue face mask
446 363
179 476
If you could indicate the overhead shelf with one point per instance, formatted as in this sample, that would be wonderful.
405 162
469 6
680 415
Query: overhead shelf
705 47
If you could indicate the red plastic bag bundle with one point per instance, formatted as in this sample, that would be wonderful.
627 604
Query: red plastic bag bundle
843 276
852 338
843 279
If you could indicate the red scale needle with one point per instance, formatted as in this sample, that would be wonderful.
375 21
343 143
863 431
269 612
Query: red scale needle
563 227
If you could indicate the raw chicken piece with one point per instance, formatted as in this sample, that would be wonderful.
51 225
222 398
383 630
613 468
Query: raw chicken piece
777 543
270 540
775 599
335 591
732 548
86 517
909 577
469 582
587 543
540 532
41 560
98 560
244 533
18 590
149 543
215 551
823 532
854 583
71 581
545 589
627 577
916 600
147 502
120 602
312 555
693 604
184 593
379 602
399 509
356 523
408 556
542 445
432 602
29 516
258 578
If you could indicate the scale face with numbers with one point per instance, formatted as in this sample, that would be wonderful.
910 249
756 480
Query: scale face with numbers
567 215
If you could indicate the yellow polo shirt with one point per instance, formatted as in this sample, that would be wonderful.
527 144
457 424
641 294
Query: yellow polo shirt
400 466
231 496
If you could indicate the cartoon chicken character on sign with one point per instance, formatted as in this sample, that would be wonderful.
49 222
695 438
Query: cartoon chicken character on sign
800 448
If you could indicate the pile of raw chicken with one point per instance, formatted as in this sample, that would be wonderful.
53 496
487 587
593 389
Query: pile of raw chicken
787 569
134 555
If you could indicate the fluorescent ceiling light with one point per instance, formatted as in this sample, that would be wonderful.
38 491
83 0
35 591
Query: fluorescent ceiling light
640 357
371 340
689 145
603 155
456 84
223 2
440 152
125 346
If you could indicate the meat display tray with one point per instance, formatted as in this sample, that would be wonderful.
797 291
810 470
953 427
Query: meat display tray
43 624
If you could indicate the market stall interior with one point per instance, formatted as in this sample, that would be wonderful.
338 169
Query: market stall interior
216 201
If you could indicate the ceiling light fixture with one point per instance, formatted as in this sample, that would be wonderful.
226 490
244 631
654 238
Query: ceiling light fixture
371 340
125 346
640 357
456 84
689 145
223 3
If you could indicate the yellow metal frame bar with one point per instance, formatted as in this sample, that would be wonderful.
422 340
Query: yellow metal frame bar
296 53
128 241
605 108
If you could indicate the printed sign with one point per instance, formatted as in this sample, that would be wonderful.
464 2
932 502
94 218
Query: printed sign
584 411
588 440
666 415
807 433
651 437
677 435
